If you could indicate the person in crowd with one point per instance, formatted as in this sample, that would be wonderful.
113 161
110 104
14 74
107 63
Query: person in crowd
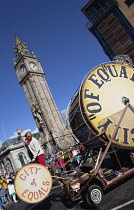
5 185
72 162
62 159
1 207
75 152
1 181
12 175
2 195
34 147
82 148
11 188
57 165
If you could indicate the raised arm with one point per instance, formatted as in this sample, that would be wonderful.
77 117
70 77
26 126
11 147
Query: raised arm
20 138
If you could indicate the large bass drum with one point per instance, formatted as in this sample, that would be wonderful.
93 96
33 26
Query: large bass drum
99 103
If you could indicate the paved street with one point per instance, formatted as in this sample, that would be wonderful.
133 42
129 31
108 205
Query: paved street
57 199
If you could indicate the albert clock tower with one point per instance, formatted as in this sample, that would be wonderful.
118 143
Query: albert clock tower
47 117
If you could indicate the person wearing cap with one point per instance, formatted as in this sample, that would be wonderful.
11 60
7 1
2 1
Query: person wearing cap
34 147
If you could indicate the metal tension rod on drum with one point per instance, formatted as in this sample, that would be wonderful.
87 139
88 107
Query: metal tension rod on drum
125 101
111 139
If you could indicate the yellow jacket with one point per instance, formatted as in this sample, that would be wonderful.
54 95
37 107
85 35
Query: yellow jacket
5 185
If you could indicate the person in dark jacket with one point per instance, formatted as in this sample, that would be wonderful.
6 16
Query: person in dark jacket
2 194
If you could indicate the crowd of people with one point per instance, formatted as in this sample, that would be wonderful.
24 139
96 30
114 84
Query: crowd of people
54 161
64 160
7 190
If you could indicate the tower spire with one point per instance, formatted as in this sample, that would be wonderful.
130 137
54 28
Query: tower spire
20 47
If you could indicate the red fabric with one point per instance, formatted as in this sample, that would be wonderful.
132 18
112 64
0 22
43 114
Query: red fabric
57 165
27 143
40 159
82 148
62 161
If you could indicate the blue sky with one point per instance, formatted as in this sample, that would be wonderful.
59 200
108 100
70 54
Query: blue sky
56 31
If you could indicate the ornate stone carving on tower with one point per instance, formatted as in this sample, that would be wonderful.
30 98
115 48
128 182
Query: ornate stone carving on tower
47 117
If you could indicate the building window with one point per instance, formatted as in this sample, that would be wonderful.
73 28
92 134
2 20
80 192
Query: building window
121 19
21 160
117 13
104 43
97 32
129 2
125 24
98 8
131 34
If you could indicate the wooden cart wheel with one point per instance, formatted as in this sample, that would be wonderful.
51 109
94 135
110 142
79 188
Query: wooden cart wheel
94 195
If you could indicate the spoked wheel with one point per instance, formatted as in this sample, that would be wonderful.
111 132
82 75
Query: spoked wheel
94 195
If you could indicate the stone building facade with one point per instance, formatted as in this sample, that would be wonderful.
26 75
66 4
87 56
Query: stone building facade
13 155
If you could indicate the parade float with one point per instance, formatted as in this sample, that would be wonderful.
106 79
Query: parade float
101 116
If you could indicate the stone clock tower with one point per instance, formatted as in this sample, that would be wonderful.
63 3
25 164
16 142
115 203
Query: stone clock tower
48 120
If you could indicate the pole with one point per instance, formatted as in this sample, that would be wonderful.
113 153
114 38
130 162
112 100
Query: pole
4 131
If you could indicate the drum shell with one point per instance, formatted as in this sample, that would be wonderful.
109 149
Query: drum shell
82 127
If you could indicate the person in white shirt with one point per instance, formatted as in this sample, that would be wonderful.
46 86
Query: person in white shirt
34 147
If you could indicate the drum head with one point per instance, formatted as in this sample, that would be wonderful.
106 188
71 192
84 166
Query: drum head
33 183
101 101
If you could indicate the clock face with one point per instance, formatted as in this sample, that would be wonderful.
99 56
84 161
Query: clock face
23 69
33 66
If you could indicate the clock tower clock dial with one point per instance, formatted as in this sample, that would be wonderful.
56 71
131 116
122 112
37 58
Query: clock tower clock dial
33 66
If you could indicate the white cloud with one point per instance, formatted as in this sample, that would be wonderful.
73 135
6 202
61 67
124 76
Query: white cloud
36 130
